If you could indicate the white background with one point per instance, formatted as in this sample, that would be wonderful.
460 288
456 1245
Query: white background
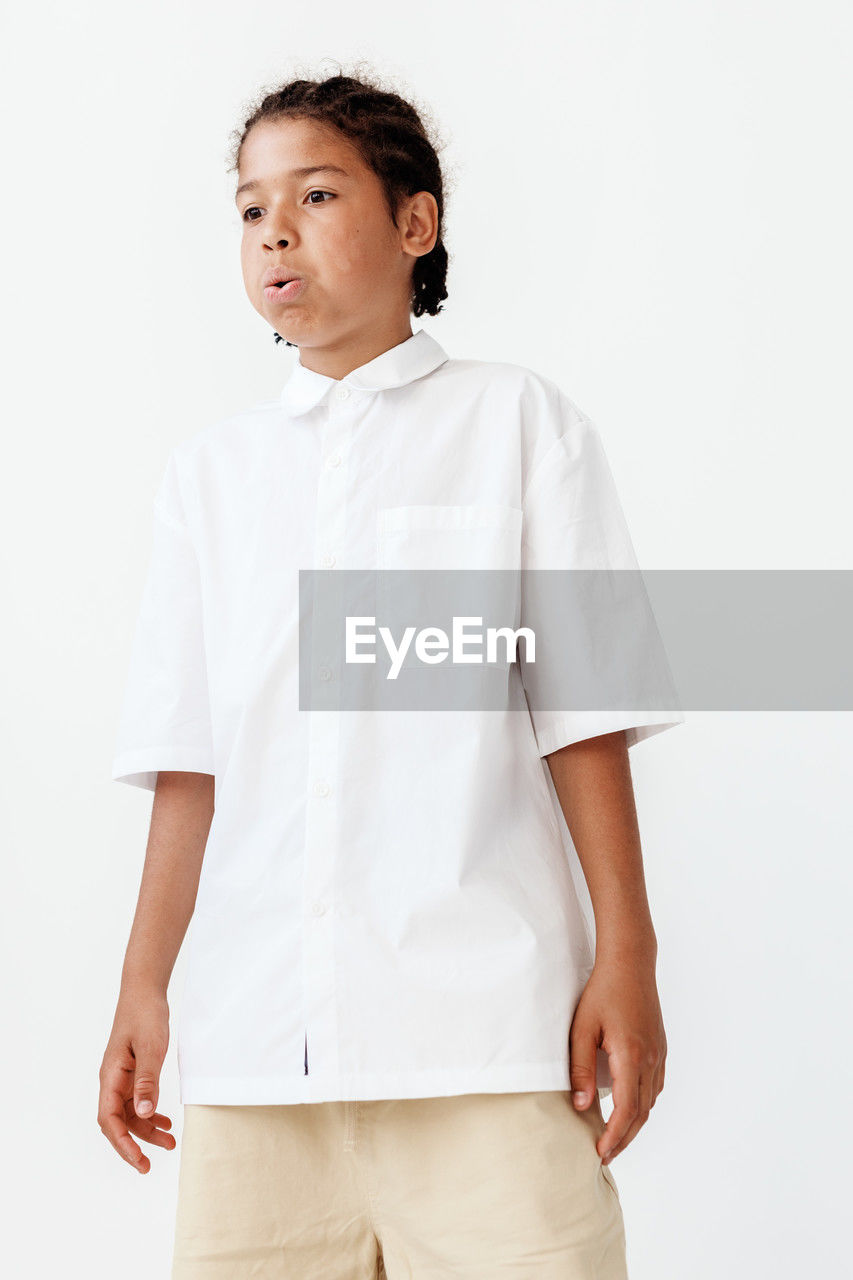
649 203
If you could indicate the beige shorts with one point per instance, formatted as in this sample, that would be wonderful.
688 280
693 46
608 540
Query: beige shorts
479 1185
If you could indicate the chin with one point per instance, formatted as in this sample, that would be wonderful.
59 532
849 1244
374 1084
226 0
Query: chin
291 326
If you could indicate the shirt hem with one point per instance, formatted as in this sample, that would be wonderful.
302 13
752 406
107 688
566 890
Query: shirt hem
315 1087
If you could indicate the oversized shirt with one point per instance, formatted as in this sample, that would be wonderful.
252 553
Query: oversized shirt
387 905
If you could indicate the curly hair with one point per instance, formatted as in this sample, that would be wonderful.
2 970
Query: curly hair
390 135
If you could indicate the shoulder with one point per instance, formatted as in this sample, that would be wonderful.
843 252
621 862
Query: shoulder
222 434
521 389
534 407
201 462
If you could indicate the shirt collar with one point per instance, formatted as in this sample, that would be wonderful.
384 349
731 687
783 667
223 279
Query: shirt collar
415 356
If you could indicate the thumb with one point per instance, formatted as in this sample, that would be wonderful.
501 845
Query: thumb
582 1060
146 1081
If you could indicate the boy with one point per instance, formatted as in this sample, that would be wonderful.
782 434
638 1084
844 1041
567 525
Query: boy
390 991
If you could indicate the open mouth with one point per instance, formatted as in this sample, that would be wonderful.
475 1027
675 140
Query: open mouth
283 290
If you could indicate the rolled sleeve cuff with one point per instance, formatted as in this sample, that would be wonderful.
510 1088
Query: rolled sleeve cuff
559 729
140 768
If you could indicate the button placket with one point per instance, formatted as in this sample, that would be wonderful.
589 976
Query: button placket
322 815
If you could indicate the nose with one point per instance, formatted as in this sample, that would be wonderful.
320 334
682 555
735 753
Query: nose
277 233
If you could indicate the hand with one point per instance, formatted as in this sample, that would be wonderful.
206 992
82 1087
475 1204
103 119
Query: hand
619 1010
129 1076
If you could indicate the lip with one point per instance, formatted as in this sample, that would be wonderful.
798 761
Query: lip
285 292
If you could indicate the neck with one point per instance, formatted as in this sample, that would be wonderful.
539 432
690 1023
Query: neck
339 357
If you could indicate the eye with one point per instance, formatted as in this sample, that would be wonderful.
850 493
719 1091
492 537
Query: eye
253 208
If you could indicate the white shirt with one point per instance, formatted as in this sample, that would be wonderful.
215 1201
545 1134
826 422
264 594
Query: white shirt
386 896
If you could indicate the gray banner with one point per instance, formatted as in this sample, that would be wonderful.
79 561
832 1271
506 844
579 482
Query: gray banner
705 640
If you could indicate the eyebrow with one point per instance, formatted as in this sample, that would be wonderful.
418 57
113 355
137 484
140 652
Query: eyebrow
304 172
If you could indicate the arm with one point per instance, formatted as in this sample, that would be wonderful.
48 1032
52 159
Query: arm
619 1007
180 821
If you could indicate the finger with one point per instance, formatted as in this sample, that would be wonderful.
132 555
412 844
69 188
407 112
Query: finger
626 1100
159 1120
156 1124
113 1126
644 1106
582 1063
150 1133
658 1077
146 1082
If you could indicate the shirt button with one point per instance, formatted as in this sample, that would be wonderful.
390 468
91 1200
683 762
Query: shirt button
327 562
319 908
334 460
325 673
321 788
342 393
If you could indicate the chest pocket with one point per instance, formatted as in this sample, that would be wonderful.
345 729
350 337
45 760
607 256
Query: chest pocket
485 540
479 536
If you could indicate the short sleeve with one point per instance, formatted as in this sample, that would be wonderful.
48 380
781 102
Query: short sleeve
599 662
165 720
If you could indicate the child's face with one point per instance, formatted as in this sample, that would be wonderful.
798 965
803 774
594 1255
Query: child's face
332 229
